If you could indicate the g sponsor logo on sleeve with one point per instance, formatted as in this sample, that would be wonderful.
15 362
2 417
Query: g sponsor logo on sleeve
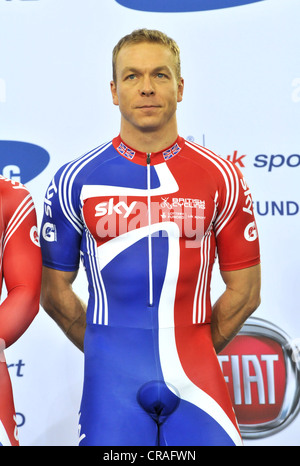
250 232
49 232
34 236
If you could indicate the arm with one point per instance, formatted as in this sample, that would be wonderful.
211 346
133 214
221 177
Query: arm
63 305
61 236
22 266
235 305
239 257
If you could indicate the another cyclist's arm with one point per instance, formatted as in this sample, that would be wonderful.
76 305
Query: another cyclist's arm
21 270
240 299
63 305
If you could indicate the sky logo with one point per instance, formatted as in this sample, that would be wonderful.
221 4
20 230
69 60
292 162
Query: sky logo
176 6
22 161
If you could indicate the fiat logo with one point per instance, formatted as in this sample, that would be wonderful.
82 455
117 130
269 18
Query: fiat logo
261 368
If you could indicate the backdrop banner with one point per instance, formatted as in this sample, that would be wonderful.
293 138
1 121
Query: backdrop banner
240 62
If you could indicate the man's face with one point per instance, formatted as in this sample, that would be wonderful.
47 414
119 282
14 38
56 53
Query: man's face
146 89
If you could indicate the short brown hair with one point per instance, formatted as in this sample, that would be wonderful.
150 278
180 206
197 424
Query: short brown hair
147 35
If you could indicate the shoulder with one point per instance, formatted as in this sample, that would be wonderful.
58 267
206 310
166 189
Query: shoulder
12 191
63 193
84 162
223 171
209 158
73 173
16 202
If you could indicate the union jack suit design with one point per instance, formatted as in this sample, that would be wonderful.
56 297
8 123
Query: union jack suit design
147 228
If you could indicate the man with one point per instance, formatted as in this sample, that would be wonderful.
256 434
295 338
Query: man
21 268
146 213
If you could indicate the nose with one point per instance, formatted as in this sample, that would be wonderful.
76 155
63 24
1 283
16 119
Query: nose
147 87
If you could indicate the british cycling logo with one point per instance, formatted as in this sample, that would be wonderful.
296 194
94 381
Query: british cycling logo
22 161
177 6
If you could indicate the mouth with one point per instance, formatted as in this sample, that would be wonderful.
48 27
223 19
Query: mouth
148 106
148 109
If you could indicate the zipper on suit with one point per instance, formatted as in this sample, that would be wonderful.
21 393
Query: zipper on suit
149 233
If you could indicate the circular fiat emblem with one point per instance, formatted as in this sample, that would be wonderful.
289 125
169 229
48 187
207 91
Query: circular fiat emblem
261 368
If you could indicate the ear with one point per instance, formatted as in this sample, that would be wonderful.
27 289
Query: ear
113 89
180 90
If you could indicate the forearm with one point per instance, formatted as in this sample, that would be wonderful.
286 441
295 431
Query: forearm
228 316
64 307
76 330
70 315
233 308
16 313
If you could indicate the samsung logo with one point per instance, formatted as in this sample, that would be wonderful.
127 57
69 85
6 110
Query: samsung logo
176 6
22 161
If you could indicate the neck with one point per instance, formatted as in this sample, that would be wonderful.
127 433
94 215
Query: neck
148 141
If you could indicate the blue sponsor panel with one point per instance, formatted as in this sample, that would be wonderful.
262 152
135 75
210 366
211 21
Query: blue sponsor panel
22 161
176 6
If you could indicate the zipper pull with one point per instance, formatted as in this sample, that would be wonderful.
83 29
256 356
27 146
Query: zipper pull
148 159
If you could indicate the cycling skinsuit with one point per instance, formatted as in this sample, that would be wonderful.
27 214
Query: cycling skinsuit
147 227
20 266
